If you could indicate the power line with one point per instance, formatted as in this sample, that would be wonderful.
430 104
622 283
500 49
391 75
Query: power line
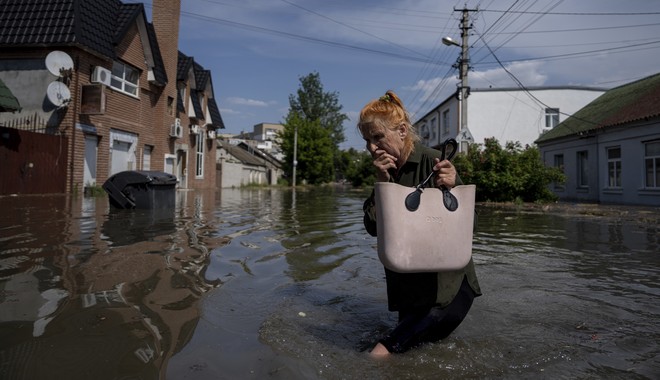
580 29
577 13
526 90
577 54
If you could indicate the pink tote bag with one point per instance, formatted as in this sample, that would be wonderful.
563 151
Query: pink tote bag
429 239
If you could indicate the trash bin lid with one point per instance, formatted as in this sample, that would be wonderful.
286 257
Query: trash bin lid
158 178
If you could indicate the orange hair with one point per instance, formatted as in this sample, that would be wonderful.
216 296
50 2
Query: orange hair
388 112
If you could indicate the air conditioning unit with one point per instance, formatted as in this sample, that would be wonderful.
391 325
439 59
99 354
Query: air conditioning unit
176 130
210 134
101 75
194 129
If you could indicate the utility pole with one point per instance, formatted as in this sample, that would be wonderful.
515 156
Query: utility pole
463 72
463 64
295 154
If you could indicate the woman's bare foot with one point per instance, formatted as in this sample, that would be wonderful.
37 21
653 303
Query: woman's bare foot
379 351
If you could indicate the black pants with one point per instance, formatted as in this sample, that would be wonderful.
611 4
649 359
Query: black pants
429 325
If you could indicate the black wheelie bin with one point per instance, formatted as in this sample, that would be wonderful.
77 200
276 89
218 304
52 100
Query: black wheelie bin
135 189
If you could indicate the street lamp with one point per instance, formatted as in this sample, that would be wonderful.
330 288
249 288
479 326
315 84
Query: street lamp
449 41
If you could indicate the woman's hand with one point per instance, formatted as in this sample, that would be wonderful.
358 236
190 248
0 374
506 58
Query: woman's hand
446 174
383 162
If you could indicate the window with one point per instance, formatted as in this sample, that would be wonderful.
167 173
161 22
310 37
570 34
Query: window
125 78
652 163
551 117
614 167
424 131
170 106
199 147
182 92
146 157
445 122
582 169
559 164
434 127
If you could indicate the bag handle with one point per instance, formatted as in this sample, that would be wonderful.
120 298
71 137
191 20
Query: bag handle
451 203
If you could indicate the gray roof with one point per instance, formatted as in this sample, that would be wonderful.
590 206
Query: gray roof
241 153
626 104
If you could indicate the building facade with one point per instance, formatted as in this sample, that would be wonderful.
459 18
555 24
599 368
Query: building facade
507 114
103 85
609 150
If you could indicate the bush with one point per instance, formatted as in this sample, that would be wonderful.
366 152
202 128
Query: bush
507 174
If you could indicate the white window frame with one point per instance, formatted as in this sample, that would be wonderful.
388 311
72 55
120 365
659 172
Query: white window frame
125 79
199 153
445 122
613 167
551 117
652 164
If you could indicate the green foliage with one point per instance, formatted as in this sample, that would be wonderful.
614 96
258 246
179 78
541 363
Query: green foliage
311 103
508 173
318 119
357 167
314 151
94 190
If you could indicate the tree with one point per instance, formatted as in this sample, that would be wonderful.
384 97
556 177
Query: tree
508 173
311 103
357 167
317 115
314 151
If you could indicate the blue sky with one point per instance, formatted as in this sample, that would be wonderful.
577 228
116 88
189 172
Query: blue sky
258 49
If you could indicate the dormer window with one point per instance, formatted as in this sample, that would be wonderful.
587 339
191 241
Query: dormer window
125 78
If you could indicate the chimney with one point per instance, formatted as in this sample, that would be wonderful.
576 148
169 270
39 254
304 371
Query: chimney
165 18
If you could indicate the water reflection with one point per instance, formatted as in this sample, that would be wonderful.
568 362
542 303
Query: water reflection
99 293
273 283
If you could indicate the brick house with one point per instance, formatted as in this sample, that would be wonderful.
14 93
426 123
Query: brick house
100 93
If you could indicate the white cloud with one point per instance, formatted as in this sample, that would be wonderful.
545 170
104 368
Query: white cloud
248 102
229 111
528 73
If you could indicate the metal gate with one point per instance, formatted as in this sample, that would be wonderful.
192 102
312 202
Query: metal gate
32 163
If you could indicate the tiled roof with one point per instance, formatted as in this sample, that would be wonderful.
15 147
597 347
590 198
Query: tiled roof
159 67
216 119
202 78
97 25
183 66
625 104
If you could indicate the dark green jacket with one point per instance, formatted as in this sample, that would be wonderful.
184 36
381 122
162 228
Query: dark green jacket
413 290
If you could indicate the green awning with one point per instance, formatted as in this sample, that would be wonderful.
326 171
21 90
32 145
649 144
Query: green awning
8 102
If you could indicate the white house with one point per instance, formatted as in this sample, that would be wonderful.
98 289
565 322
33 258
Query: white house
508 114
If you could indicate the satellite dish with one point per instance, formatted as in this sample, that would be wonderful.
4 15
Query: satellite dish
58 94
58 60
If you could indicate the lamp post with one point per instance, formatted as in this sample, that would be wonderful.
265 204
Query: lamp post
463 66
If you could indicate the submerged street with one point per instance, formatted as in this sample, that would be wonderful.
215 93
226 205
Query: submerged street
286 284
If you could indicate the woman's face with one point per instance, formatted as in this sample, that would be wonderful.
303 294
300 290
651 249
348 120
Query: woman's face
381 140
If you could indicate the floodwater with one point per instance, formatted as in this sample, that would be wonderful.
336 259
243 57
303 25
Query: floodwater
282 284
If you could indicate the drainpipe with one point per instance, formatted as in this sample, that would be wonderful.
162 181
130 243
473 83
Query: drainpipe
74 118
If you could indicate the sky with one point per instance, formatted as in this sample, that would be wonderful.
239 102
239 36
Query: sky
257 50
